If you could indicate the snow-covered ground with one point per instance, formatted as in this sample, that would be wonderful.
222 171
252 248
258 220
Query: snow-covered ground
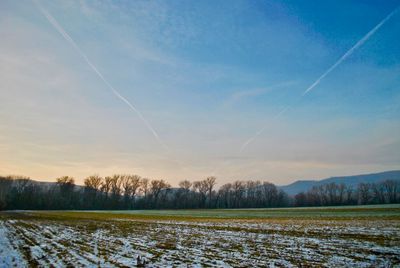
9 256
233 243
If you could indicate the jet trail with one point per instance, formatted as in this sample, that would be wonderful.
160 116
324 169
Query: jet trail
313 85
351 50
244 145
337 63
258 133
69 39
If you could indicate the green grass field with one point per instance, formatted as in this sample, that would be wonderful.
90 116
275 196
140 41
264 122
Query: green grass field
370 212
361 236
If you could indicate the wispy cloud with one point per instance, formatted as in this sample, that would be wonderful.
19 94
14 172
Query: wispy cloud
239 95
313 85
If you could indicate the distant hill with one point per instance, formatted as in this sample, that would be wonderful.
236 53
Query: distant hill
304 185
49 184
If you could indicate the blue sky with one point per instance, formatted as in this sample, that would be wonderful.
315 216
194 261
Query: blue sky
206 76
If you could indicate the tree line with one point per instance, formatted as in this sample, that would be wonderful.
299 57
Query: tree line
134 192
333 194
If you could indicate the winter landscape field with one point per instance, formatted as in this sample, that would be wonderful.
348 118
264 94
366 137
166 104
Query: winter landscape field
183 133
358 236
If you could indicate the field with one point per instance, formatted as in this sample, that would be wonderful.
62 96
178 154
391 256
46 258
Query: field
364 236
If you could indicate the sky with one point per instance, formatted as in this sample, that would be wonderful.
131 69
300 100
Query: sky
188 89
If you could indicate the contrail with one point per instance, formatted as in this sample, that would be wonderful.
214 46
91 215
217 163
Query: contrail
351 50
69 39
336 64
244 145
313 85
258 133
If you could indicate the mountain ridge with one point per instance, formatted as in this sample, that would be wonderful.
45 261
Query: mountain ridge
352 180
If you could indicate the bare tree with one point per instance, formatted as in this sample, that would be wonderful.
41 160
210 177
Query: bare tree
126 185
202 188
210 183
349 195
116 183
144 186
5 185
330 190
378 191
93 182
106 186
130 185
364 193
391 188
156 187
341 190
313 197
135 184
270 193
253 193
186 185
66 186
225 195
92 187
66 183
238 189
